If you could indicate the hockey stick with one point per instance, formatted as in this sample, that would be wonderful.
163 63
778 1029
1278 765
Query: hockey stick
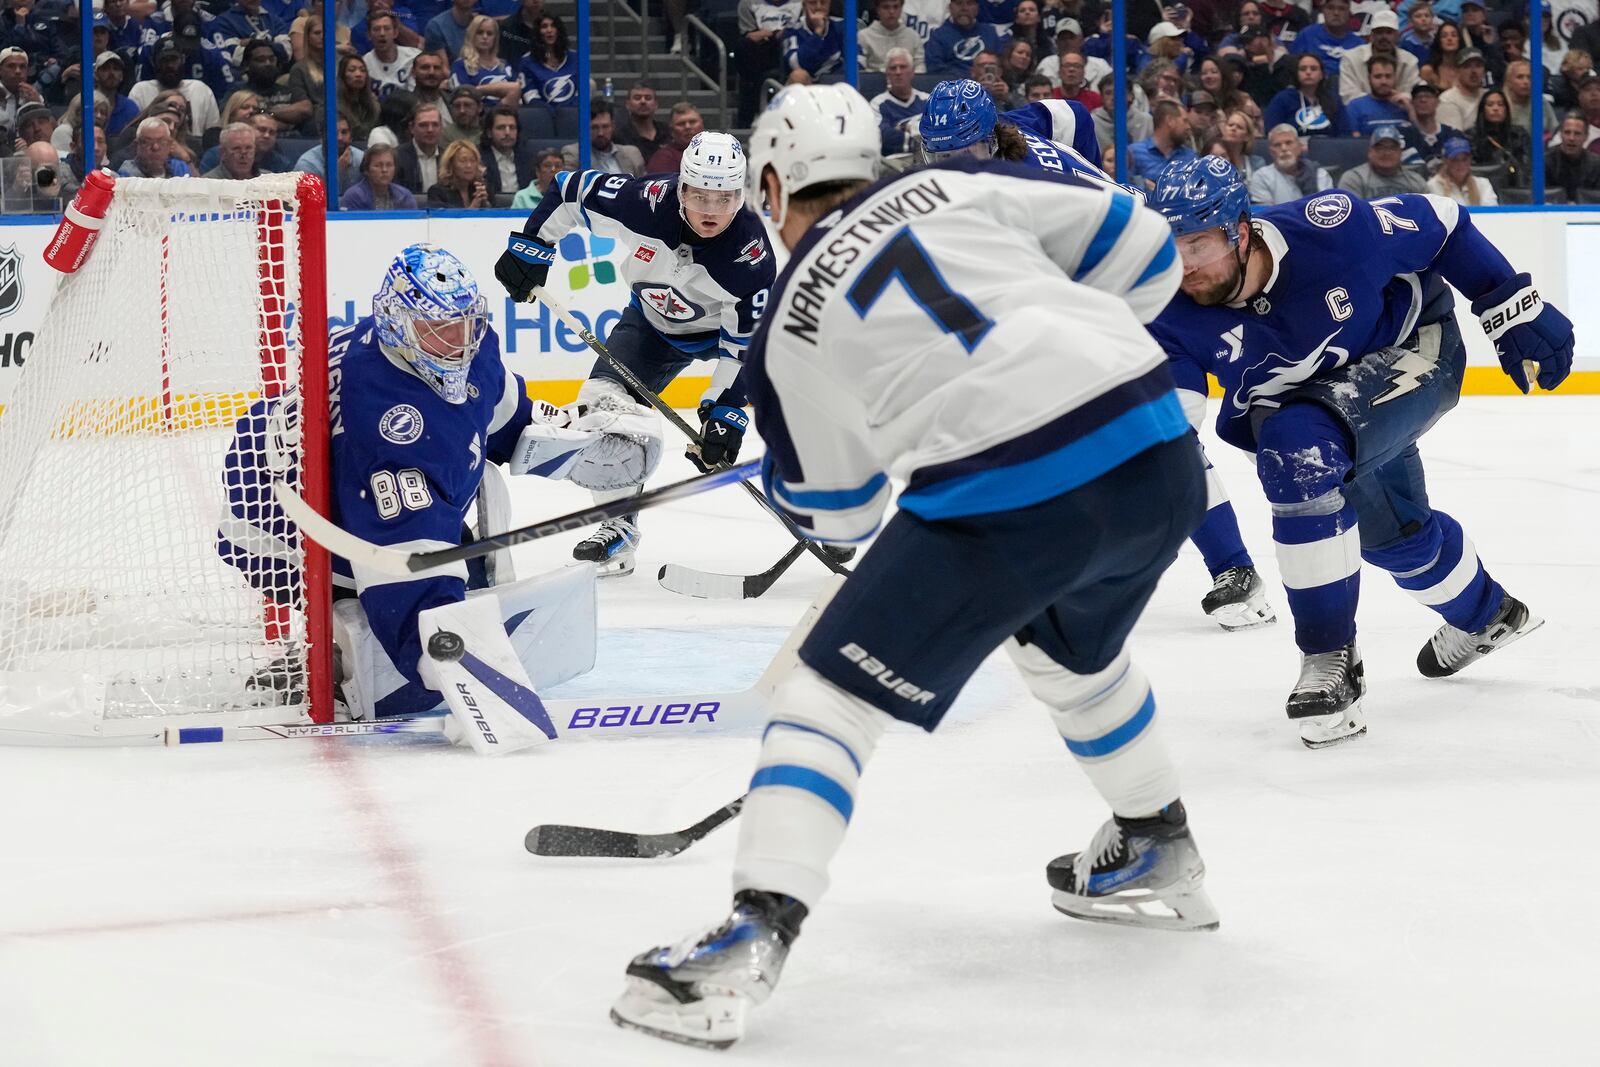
708 585
559 839
632 381
399 562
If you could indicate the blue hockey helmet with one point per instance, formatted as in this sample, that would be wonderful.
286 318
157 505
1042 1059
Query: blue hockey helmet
430 314
960 113
1202 194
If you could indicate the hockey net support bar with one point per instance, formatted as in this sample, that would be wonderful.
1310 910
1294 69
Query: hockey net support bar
202 303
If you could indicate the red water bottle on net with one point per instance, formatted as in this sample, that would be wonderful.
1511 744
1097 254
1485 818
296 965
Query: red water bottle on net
80 226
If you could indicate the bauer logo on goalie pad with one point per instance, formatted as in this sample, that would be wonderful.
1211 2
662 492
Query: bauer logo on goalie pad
401 424
10 280
644 715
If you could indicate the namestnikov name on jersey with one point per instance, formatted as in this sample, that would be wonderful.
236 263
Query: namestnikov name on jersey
700 294
969 327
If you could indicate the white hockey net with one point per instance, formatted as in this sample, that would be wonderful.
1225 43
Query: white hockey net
116 611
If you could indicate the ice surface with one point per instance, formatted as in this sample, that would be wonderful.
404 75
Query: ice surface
1424 895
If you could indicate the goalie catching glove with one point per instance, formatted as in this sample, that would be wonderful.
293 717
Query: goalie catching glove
602 441
1525 329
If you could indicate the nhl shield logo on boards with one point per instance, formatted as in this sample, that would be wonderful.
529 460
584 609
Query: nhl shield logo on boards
667 302
10 280
401 424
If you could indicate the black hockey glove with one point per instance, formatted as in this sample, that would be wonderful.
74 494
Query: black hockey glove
523 266
722 428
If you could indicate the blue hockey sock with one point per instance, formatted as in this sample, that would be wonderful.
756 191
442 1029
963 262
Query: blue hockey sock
1439 566
1218 539
1302 458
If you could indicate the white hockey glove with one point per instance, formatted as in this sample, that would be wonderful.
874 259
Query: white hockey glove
602 441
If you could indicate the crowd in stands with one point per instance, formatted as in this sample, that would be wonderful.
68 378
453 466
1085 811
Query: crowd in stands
440 103
474 103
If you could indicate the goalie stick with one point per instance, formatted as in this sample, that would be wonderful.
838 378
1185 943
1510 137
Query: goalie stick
575 718
688 576
401 563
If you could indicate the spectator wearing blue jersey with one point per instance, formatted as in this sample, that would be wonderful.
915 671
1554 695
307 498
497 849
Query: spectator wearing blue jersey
247 19
1168 142
1331 38
177 16
447 31
1425 134
1098 45
407 30
899 102
955 43
550 72
814 47
480 67
1310 105
127 32
1422 26
108 80
1443 10
1379 107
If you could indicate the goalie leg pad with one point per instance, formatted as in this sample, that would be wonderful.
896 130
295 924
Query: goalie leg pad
468 658
803 793
1107 720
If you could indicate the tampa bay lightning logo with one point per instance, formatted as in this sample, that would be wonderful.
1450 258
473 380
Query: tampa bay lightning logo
967 50
401 424
559 90
667 302
1328 211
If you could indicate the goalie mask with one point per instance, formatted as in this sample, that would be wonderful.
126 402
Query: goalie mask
430 314
711 182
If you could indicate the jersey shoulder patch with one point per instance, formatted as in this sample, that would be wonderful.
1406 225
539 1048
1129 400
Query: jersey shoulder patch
1329 210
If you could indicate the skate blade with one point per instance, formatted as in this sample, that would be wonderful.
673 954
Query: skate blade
1250 615
1182 910
714 1022
614 568
1325 731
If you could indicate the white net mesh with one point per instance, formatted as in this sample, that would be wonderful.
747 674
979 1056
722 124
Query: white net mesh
111 490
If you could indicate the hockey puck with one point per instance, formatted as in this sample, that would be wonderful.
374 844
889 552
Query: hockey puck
447 646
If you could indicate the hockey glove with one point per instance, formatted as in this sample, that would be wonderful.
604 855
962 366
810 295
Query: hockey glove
523 266
722 428
1522 327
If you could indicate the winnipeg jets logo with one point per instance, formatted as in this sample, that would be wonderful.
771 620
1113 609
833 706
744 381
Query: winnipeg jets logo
654 191
752 253
667 302
401 424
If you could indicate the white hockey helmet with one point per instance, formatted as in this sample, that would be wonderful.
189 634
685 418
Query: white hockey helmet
811 134
711 177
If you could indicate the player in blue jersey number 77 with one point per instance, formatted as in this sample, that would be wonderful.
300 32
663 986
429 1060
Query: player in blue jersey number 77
1329 324
1021 399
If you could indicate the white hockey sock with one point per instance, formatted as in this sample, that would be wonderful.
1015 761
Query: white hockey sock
801 797
1108 722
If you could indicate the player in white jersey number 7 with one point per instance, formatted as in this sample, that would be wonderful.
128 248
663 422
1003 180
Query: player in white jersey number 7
887 347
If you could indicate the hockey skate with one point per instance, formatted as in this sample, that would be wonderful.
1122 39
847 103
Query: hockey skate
1238 600
612 546
1450 649
698 991
1136 872
1327 698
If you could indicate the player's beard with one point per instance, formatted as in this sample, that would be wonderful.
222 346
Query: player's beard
1224 290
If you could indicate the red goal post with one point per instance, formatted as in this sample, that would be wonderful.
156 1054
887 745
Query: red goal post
203 304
